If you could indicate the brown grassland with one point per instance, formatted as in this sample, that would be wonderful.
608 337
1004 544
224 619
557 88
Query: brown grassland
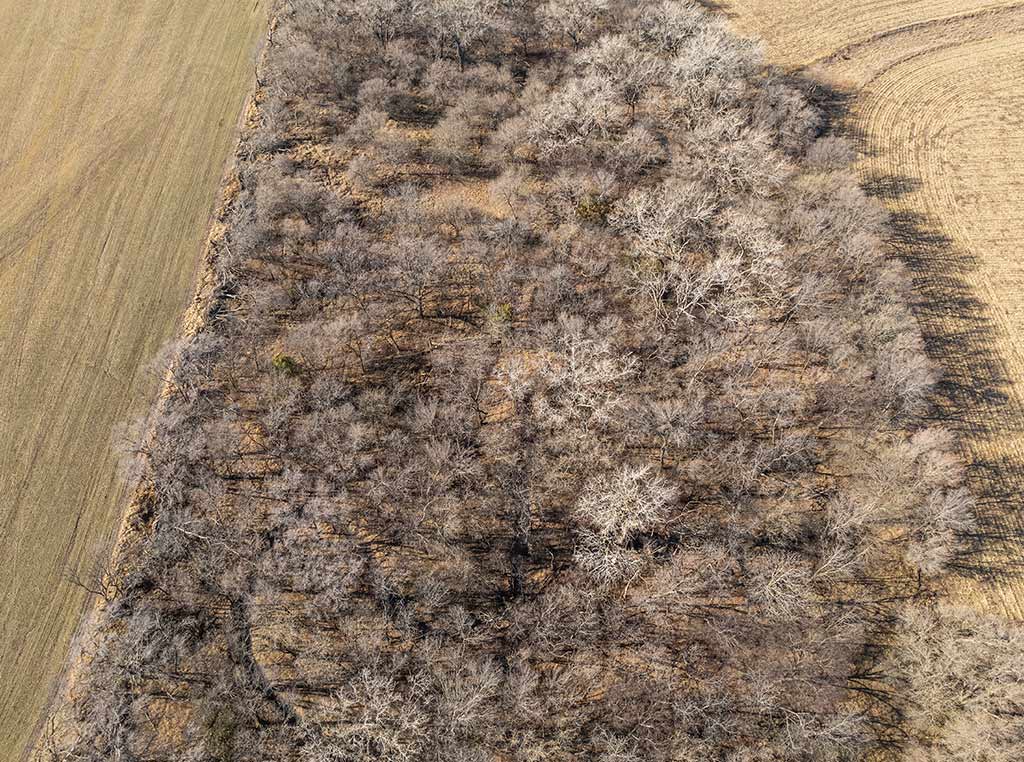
118 118
937 104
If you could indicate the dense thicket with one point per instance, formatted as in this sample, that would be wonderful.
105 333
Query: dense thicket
557 403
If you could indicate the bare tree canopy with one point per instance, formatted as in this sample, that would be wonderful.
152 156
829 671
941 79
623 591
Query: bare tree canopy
558 400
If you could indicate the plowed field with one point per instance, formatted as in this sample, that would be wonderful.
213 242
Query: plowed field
118 118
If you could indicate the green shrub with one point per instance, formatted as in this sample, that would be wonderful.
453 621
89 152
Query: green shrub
285 364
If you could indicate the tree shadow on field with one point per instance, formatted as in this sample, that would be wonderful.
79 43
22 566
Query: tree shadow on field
973 398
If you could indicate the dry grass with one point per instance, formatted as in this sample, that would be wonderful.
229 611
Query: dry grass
118 119
938 99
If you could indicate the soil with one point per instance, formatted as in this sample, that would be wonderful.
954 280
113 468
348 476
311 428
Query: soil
119 118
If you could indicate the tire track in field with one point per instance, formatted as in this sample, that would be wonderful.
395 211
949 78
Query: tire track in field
979 21
936 90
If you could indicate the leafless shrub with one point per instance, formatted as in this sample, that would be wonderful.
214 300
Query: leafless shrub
463 23
386 19
585 377
630 501
666 26
830 153
629 70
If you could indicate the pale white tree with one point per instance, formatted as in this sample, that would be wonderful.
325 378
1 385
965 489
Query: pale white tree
628 501
585 376
573 117
381 721
733 158
664 27
780 584
663 220
630 71
959 676
604 561
671 227
712 65
905 375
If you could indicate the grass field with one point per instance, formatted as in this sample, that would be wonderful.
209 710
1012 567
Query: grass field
937 104
119 117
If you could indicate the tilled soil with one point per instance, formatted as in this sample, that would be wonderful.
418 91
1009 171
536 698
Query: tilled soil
119 118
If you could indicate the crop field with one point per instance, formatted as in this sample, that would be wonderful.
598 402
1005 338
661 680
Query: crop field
933 91
119 117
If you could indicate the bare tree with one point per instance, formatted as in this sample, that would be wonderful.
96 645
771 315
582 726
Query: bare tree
574 119
633 500
382 719
630 70
664 220
585 379
780 585
385 19
960 678
666 26
463 23
572 18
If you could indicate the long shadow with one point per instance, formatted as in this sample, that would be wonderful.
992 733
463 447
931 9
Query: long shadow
973 398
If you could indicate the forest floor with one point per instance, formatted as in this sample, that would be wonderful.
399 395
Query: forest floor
933 93
117 126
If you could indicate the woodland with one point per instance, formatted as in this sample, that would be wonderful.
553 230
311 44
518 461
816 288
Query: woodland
559 400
